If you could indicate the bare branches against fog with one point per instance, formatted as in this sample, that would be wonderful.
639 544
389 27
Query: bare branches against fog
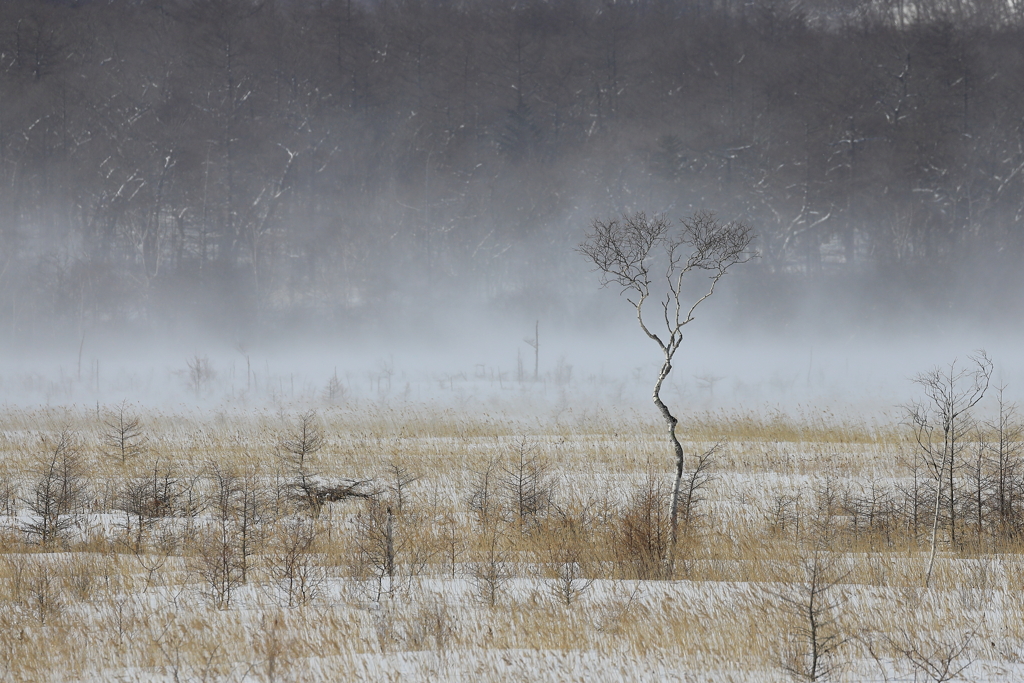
636 252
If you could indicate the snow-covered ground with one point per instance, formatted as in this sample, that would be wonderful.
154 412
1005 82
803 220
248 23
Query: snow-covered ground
491 546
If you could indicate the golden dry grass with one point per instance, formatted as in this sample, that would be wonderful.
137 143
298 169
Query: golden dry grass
494 548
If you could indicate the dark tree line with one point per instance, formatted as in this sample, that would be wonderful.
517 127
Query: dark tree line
254 161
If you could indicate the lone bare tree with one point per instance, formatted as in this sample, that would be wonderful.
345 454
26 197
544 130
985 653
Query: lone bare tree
942 425
649 259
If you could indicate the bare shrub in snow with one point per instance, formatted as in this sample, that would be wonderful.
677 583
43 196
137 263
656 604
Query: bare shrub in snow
294 563
58 489
492 569
390 546
123 437
643 533
305 483
571 562
811 601
527 483
938 656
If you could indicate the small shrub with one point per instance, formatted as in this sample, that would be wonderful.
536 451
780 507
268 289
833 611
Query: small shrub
811 601
380 545
643 534
58 491
492 570
294 564
527 483
123 437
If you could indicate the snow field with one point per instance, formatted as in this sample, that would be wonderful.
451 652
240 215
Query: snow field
493 548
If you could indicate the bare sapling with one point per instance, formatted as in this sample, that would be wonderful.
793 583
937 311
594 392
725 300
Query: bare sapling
34 588
218 560
136 502
380 545
528 483
335 391
483 499
58 490
642 534
491 572
783 512
8 493
648 259
942 424
295 564
978 477
251 509
398 488
695 487
147 500
123 436
872 509
812 602
451 538
1007 455
914 493
301 447
45 591
235 532
312 490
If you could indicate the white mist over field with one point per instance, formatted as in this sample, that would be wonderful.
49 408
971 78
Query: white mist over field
483 363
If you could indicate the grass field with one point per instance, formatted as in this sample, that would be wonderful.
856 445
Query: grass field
406 542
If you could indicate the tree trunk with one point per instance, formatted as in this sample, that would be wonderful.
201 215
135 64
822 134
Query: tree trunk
671 420
935 521
952 501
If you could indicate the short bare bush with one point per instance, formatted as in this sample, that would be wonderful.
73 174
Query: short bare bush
58 489
938 656
492 569
232 534
294 563
34 588
305 484
571 553
643 531
381 544
218 564
147 500
484 499
811 601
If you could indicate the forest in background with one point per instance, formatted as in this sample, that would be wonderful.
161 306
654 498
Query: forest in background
252 165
